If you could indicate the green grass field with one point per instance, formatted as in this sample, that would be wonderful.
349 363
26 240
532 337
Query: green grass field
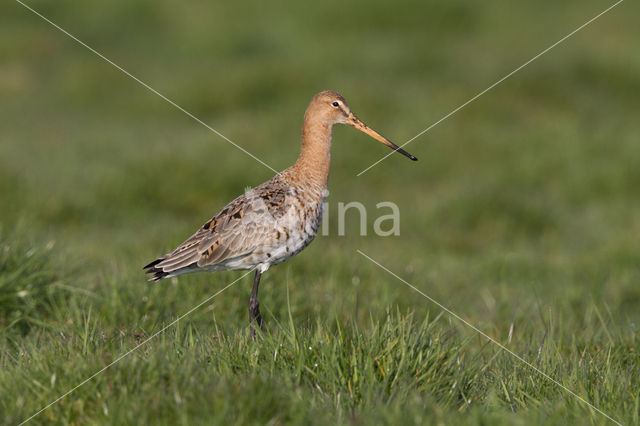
522 215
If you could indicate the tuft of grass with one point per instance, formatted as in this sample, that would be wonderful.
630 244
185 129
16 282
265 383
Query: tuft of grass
400 368
30 286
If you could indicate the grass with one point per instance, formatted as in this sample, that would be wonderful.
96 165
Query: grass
521 215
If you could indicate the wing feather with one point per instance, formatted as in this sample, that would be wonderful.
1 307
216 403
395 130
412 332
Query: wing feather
241 227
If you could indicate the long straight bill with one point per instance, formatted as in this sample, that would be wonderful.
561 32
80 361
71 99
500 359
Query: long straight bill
355 122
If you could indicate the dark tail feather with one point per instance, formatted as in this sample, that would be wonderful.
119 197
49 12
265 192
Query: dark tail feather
158 273
152 264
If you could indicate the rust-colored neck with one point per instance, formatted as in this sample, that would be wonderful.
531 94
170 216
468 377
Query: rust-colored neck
315 154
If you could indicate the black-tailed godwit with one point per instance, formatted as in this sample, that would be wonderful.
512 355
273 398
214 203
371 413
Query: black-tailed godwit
276 220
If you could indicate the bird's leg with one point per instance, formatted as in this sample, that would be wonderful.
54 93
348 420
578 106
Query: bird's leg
254 306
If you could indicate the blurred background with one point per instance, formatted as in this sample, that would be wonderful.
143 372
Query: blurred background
524 206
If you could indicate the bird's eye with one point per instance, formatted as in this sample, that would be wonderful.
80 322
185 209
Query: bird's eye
336 104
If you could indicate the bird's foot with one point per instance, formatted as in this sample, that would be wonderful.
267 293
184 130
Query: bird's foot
255 318
260 324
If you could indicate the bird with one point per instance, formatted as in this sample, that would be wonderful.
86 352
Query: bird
274 221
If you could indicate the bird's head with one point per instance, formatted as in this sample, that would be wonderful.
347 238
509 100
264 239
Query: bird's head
331 108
